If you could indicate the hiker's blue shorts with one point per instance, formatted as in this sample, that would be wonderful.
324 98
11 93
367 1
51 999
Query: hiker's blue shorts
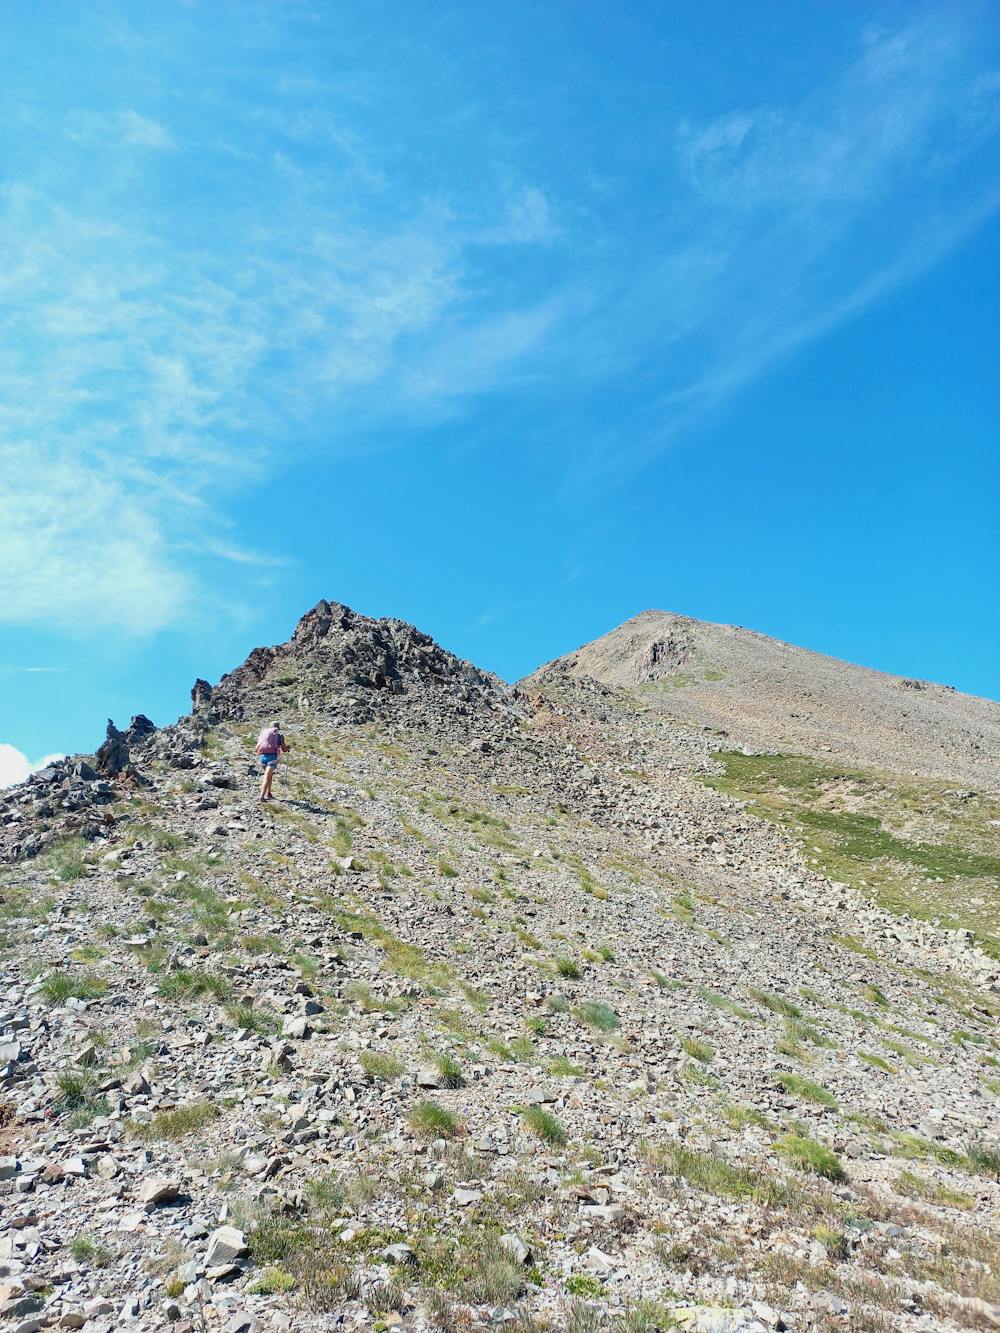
269 761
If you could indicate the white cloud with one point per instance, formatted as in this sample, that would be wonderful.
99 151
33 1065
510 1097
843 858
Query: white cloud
799 217
16 767
142 381
158 351
125 127
76 549
238 555
143 132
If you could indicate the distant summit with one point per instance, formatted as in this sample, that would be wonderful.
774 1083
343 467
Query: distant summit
760 692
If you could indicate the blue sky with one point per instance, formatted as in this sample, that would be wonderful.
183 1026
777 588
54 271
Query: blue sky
511 320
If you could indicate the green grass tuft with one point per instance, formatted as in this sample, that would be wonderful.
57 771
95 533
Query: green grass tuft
432 1121
544 1125
698 1050
449 1070
63 986
803 1088
778 1004
808 1155
377 1064
597 1014
709 1172
175 1124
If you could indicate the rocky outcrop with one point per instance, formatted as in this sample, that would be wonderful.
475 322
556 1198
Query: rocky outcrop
355 667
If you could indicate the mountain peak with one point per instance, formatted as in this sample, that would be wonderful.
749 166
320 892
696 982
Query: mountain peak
340 662
760 692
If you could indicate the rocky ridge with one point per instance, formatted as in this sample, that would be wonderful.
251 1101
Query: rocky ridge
502 1015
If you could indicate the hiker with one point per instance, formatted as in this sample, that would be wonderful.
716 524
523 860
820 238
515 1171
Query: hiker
270 743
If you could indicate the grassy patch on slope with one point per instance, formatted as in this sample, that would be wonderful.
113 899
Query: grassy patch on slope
917 845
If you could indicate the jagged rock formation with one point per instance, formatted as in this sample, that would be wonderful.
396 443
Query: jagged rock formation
351 667
535 1004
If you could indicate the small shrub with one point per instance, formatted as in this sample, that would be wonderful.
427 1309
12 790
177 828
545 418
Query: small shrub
985 1158
809 1155
597 1014
85 1250
582 1284
803 1088
432 1121
875 996
446 869
544 1125
272 1281
568 968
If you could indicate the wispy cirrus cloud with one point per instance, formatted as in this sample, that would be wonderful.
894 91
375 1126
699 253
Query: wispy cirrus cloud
794 219
216 272
34 670
146 379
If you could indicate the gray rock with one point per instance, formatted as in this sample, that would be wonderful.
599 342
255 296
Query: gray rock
296 1028
225 1245
464 1198
10 1051
597 1262
516 1247
158 1190
399 1254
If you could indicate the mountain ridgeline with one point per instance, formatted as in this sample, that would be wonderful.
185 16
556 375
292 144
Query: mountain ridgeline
659 990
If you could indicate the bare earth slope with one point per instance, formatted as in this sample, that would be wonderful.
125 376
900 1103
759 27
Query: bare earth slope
763 693
529 1008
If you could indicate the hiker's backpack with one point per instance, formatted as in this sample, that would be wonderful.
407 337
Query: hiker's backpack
269 741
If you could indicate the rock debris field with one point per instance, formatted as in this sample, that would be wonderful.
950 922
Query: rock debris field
518 1008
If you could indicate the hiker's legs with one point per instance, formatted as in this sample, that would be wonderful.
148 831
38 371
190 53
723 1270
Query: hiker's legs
268 779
